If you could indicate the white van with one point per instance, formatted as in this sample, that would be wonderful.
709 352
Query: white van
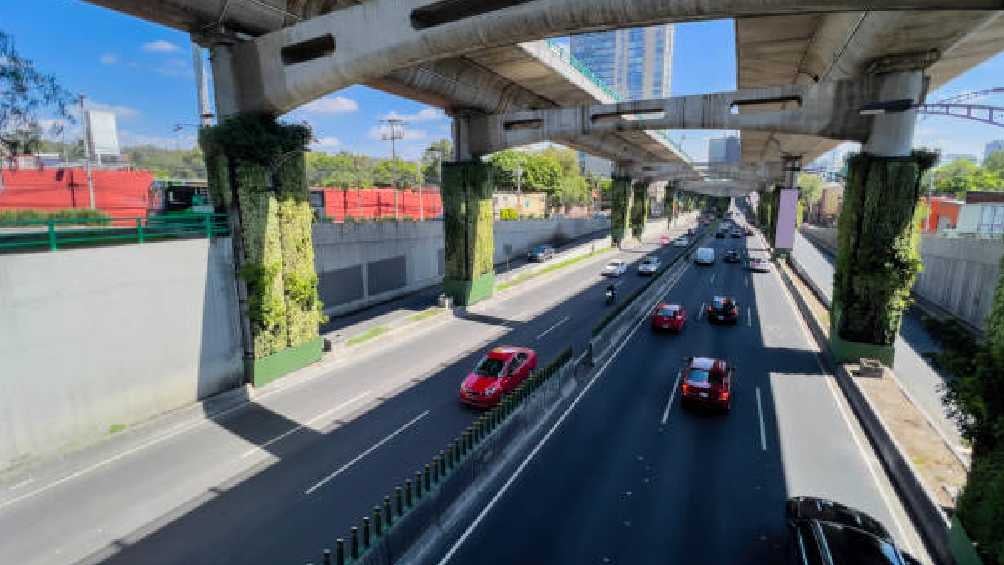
704 256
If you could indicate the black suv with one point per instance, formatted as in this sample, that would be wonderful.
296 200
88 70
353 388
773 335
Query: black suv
540 253
732 256
824 532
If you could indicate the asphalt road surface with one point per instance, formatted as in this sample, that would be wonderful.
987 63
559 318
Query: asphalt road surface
631 477
278 480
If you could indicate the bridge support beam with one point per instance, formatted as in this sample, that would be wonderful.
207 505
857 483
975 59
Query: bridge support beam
621 196
878 240
468 226
257 170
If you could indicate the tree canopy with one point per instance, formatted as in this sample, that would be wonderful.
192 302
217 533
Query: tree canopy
961 176
552 170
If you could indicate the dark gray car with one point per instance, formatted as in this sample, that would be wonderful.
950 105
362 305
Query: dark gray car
540 253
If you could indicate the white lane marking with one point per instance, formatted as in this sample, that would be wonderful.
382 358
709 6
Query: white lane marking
23 483
886 497
550 329
309 422
713 277
746 281
357 458
519 470
749 317
672 395
759 413
701 312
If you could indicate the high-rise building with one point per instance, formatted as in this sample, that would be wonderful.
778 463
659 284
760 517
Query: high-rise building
723 149
995 145
636 63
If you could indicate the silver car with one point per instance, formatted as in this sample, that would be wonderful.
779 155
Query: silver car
649 265
614 268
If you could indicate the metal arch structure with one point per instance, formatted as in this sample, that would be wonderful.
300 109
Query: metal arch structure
992 115
973 95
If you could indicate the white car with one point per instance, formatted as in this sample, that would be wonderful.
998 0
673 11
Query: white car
681 241
649 265
614 269
704 256
759 265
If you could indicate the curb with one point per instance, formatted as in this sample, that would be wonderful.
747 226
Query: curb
929 519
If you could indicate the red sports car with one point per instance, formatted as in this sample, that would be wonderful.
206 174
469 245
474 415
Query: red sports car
500 371
670 317
708 382
723 309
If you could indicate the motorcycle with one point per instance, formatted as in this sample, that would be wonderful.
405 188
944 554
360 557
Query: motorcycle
611 296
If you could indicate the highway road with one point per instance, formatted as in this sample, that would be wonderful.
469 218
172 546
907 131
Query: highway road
631 477
279 479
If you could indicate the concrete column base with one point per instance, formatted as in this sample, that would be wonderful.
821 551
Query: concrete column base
845 351
466 293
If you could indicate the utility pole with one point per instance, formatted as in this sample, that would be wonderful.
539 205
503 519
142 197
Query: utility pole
393 129
519 189
87 153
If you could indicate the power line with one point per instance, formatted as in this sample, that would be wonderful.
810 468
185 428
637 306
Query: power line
392 130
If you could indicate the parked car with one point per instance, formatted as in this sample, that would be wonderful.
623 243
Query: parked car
723 309
614 268
824 531
670 317
649 265
704 256
731 256
706 381
500 371
681 241
540 253
759 265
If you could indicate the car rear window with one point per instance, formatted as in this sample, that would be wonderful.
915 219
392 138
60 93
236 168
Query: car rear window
669 311
698 376
489 367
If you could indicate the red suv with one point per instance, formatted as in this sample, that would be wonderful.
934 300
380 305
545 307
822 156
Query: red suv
500 371
708 382
670 317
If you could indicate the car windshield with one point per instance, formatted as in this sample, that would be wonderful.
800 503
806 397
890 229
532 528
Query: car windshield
614 265
851 545
489 367
698 376
720 301
650 260
539 249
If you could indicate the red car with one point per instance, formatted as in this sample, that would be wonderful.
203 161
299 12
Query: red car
500 371
708 382
670 317
723 309
664 240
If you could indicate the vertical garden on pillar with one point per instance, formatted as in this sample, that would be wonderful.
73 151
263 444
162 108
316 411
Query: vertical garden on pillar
468 226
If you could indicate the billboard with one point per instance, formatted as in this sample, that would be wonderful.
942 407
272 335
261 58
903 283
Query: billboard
102 133
785 235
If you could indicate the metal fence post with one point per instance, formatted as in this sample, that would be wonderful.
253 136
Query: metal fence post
340 551
387 512
208 224
366 532
52 235
354 546
139 230
377 521
327 557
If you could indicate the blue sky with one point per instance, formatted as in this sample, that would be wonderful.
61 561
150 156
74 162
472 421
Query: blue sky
143 72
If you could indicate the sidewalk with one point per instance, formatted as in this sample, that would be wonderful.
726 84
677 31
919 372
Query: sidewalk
923 382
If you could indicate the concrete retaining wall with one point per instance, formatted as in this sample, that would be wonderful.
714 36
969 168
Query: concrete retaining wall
364 263
96 339
959 276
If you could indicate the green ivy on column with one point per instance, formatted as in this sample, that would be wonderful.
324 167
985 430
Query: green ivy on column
639 208
620 208
468 227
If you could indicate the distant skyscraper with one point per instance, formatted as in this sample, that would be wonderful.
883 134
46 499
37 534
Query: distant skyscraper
995 145
636 63
723 149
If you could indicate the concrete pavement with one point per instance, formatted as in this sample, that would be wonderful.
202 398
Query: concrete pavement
630 477
280 478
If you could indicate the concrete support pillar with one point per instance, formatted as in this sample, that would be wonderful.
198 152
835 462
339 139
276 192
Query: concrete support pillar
639 208
621 196
468 225
878 238
257 171
784 206
669 202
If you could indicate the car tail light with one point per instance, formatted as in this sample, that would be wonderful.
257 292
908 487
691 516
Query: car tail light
684 389
723 394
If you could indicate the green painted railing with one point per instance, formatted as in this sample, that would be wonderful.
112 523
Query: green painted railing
55 234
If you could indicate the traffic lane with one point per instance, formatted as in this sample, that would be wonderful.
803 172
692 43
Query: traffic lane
825 454
352 491
637 490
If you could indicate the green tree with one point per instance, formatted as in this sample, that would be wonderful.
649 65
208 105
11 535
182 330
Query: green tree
995 163
432 160
962 175
24 94
396 172
811 188
167 163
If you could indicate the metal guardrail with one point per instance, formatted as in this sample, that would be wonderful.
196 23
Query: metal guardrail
55 234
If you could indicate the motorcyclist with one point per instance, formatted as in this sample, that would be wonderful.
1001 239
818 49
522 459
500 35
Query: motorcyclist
611 291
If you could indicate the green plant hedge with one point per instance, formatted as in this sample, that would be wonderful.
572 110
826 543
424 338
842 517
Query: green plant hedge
74 215
620 208
878 246
639 208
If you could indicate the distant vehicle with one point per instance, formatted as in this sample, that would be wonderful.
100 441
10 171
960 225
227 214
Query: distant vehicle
540 253
670 317
663 240
614 268
824 531
500 371
692 231
731 256
706 381
681 241
723 309
736 232
611 294
749 230
704 256
720 234
649 265
759 265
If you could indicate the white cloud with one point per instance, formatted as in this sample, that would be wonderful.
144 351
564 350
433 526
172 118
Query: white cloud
109 59
121 112
326 142
160 46
424 115
331 105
